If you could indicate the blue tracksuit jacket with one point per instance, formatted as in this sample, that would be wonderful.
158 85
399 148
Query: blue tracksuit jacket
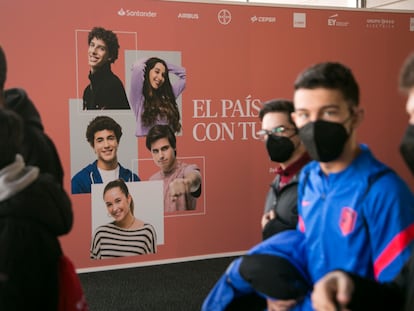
288 244
82 181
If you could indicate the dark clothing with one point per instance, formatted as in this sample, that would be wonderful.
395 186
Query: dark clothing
30 223
371 295
407 147
38 148
105 91
282 198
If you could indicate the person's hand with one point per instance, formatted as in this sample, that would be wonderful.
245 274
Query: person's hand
280 305
332 292
267 216
179 187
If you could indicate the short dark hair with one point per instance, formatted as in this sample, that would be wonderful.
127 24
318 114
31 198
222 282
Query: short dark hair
330 75
101 123
119 183
110 39
11 136
159 131
278 105
3 70
406 81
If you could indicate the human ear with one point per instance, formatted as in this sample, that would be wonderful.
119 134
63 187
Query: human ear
359 114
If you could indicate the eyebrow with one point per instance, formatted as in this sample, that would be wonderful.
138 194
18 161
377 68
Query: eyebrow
162 147
328 106
94 42
107 136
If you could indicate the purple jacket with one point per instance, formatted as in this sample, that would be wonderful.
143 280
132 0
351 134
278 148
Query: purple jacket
136 97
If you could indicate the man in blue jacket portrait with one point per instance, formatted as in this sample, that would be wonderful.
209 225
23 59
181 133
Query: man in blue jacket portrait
103 134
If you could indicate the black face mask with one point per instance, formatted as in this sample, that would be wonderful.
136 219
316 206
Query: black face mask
279 148
324 140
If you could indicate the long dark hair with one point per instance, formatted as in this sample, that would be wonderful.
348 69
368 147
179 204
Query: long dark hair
159 102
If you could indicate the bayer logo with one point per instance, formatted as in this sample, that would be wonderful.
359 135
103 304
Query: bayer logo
224 17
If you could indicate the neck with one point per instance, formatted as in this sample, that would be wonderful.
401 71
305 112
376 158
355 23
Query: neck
171 168
351 151
111 165
100 68
127 222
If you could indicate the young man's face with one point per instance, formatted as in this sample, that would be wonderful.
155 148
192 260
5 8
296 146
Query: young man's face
320 104
157 75
280 121
106 146
98 54
163 154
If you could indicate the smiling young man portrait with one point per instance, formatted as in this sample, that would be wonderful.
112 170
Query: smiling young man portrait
103 134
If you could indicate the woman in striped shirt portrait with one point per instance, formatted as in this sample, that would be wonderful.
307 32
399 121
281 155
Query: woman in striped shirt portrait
126 235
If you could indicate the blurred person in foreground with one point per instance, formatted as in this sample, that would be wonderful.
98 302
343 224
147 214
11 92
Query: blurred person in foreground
340 290
37 148
34 211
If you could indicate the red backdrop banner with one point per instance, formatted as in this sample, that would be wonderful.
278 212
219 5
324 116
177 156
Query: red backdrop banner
235 56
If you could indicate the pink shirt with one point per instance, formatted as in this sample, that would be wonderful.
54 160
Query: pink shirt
184 202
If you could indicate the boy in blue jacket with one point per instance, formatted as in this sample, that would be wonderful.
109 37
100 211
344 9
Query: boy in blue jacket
103 134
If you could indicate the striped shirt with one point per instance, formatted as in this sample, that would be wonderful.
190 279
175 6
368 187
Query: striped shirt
111 241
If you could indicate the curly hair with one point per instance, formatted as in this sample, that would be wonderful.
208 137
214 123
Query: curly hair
110 39
101 123
159 102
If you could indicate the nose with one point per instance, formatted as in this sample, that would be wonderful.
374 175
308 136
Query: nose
92 50
114 210
313 117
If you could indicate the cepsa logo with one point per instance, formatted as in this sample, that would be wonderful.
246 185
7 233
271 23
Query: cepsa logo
136 13
263 19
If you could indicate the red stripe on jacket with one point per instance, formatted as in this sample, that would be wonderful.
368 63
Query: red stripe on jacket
394 248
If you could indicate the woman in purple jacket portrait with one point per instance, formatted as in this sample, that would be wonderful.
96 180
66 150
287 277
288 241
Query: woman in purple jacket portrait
153 96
